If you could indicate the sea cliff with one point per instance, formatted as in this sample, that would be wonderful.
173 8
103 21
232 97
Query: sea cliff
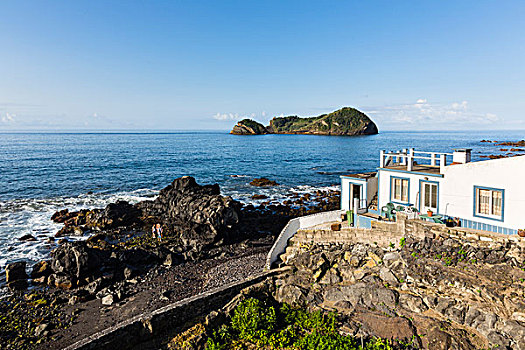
346 121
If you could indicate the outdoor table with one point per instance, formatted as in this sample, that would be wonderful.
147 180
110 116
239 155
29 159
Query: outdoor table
431 218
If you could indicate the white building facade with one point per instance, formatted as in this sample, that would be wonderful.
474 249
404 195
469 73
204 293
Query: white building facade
486 195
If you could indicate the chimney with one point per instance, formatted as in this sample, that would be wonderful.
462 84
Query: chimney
461 155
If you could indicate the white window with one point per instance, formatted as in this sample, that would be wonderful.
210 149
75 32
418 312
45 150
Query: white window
430 198
399 190
489 202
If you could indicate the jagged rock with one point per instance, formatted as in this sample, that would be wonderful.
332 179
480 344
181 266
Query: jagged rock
116 214
293 295
41 269
61 216
27 238
263 182
108 300
260 196
248 127
72 262
198 214
40 329
15 272
130 272
63 281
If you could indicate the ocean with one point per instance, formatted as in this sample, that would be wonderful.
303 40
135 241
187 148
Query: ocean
41 173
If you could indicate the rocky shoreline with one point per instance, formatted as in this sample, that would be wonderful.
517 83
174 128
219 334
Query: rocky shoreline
121 269
423 293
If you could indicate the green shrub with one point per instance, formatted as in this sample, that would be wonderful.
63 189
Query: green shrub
271 326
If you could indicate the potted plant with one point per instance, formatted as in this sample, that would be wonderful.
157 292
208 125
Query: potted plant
430 212
521 232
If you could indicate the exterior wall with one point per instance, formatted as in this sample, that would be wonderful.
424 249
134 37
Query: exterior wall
345 190
371 189
384 190
457 192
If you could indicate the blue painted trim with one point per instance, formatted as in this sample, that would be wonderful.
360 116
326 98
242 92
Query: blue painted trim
421 193
408 194
475 202
410 172
493 228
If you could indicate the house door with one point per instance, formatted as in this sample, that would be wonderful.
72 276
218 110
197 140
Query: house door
429 197
355 193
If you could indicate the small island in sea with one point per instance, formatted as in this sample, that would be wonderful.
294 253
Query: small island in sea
346 121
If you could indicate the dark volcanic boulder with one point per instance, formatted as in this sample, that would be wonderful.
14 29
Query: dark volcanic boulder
77 223
16 276
72 262
199 215
263 182
116 214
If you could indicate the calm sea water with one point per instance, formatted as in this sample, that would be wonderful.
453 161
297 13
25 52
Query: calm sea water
41 172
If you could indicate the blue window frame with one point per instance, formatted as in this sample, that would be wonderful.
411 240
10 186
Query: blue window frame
399 190
489 203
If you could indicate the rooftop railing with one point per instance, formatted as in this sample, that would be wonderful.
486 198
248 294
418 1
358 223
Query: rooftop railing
407 157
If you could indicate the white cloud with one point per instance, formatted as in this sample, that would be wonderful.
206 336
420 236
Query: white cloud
8 118
226 116
426 115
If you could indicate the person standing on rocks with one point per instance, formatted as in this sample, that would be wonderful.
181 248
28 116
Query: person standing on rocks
154 231
159 232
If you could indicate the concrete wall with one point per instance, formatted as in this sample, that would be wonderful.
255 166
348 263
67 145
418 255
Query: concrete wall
291 228
508 174
371 189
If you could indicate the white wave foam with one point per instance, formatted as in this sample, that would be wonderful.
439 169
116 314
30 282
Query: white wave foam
33 216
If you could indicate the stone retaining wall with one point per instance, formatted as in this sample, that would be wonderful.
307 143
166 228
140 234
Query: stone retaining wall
383 233
152 329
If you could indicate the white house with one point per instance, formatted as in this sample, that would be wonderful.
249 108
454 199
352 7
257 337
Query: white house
486 195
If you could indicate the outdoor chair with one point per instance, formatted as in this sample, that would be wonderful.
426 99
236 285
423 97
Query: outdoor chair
388 211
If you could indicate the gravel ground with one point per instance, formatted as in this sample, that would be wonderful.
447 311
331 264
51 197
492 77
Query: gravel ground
234 270
160 287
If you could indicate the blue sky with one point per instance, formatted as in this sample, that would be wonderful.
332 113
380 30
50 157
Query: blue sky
172 65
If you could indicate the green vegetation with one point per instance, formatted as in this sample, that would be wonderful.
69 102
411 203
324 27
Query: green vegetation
346 121
265 325
249 126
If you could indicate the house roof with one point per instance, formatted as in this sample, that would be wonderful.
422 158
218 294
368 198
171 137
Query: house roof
362 176
416 168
